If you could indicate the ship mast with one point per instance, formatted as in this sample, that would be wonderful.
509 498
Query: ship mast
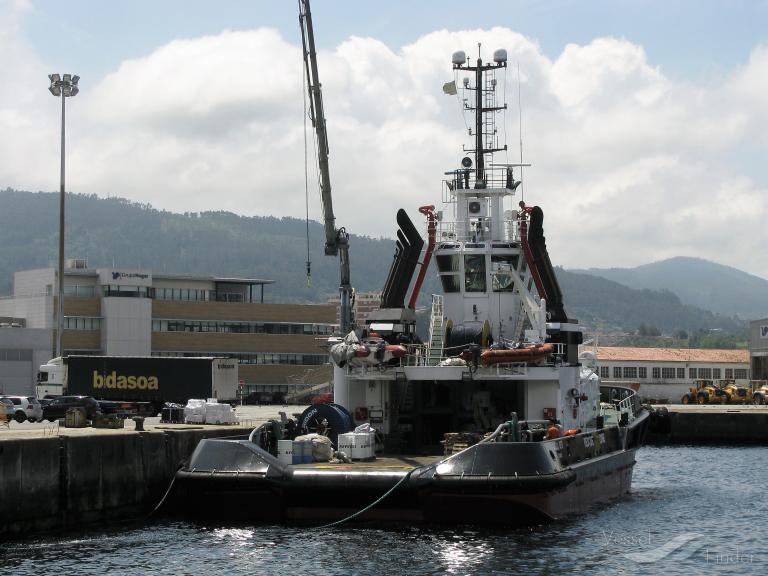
480 110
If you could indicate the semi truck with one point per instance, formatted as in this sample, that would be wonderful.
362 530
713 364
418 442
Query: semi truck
155 379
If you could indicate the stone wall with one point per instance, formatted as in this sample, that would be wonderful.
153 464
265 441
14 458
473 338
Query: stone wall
53 483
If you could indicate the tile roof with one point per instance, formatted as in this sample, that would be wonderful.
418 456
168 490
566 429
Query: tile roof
672 354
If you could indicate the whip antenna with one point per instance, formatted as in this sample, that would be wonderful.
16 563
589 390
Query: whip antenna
520 125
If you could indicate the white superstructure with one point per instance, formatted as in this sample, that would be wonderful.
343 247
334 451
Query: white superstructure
500 340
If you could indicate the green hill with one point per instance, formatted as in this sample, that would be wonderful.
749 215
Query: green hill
610 306
697 282
114 232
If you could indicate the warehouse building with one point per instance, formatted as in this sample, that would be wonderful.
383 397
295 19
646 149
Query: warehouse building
758 349
125 312
665 374
22 351
363 305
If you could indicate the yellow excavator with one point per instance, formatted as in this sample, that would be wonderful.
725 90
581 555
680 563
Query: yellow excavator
704 392
735 394
759 389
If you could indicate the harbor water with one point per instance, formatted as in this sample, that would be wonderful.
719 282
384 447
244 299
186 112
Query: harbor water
693 510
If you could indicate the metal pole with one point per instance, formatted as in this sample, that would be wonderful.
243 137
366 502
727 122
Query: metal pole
479 156
60 311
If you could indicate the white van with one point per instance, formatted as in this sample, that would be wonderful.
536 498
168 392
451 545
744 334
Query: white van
26 408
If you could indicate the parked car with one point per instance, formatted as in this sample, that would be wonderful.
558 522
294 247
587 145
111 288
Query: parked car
9 408
57 407
26 408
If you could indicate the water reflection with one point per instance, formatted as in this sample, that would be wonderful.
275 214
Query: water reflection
717 492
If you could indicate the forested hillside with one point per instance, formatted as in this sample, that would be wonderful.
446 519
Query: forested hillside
699 283
114 232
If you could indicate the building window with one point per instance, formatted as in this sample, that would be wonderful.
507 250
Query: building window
668 373
15 355
681 373
603 371
617 372
656 373
642 372
630 372
729 373
692 373
258 357
716 373
225 326
82 323
705 373
79 291
113 290
741 373
183 294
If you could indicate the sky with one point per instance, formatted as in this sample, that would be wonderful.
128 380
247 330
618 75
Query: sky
645 122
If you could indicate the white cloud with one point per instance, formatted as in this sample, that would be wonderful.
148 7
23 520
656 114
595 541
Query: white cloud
628 163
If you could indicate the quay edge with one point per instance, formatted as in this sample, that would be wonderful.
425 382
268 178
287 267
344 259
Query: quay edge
732 424
62 482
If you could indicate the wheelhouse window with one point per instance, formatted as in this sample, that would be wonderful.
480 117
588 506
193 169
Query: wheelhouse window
450 283
501 275
447 263
474 272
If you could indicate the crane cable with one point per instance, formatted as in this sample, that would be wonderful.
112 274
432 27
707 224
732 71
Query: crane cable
306 174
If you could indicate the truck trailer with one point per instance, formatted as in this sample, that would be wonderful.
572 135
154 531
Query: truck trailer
152 379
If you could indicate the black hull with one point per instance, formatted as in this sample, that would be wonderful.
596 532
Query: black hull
492 484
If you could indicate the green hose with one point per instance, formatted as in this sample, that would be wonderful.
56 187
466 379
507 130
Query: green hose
372 504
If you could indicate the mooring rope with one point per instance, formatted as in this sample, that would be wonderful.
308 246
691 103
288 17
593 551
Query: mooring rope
372 504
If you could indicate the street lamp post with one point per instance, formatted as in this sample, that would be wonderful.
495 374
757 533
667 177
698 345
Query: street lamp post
63 87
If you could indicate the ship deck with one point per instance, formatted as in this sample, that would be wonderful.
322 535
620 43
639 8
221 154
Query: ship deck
383 463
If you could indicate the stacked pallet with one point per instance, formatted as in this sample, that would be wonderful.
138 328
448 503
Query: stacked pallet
454 442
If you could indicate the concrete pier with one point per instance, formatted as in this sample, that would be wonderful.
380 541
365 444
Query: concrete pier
54 478
708 424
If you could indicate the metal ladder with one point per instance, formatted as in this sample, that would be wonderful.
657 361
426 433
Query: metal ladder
436 331
520 325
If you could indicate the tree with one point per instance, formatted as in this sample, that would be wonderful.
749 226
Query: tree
648 330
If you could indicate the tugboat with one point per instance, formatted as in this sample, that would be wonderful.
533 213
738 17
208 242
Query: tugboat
495 419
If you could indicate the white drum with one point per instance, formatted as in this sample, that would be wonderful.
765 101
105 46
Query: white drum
285 451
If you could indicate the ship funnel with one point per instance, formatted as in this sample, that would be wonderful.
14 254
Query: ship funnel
459 58
407 252
499 56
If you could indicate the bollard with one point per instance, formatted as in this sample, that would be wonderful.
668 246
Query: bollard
139 423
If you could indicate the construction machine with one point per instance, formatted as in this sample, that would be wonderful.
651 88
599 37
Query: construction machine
704 392
735 394
759 390
336 239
